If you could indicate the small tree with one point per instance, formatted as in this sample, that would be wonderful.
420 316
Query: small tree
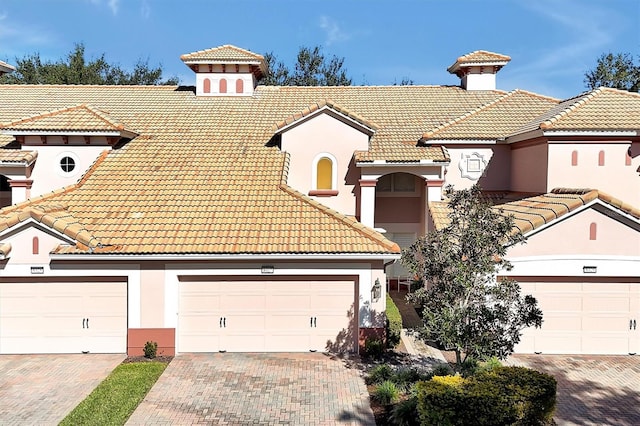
614 70
76 69
466 309
312 68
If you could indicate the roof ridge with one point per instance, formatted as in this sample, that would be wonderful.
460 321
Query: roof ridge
588 195
579 102
364 230
319 105
103 155
441 127
224 46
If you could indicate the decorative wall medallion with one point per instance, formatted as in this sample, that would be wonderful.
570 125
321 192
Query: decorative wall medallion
472 165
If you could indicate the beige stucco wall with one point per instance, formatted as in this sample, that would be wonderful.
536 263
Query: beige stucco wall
571 237
47 174
22 246
152 295
325 134
614 178
529 168
495 175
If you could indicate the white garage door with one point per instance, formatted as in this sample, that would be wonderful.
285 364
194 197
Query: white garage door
584 318
63 317
266 316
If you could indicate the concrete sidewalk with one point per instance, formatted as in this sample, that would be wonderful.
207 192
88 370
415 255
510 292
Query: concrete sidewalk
410 320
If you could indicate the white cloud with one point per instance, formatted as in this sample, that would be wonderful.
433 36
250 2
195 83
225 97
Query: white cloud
332 30
579 32
145 9
113 5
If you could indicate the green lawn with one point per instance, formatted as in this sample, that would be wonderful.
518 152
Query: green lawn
113 401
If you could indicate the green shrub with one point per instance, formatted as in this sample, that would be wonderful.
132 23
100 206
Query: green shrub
438 403
150 350
443 369
406 377
374 347
386 393
379 374
394 323
469 367
405 413
532 393
490 364
502 396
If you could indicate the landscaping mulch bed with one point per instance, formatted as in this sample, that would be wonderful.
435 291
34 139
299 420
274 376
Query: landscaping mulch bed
130 359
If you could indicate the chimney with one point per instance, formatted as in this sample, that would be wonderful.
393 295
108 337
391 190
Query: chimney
477 70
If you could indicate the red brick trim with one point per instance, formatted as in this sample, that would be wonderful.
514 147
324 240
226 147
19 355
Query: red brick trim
323 193
433 183
21 183
165 337
366 333
368 183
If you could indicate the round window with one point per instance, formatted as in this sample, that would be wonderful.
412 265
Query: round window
67 164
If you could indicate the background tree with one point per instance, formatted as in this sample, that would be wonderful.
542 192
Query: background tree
75 69
312 68
465 309
614 70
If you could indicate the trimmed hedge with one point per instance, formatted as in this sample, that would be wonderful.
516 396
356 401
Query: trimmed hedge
502 396
394 323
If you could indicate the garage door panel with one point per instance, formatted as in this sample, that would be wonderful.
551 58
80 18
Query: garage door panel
279 302
268 315
583 318
50 317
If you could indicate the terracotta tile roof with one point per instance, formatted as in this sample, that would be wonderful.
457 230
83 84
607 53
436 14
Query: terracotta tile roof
317 106
603 109
17 156
479 57
496 119
221 54
201 178
78 118
5 249
532 211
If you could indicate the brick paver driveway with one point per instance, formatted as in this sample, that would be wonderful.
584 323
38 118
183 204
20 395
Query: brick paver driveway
43 389
241 389
592 390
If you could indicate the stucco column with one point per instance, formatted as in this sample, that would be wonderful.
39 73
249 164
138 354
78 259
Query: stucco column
434 189
20 189
368 201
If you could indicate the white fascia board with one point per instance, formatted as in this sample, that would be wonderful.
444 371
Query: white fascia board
32 222
243 257
327 109
518 137
573 266
16 163
461 142
615 133
62 133
219 62
383 163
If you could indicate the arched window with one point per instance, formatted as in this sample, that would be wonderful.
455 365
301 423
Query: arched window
35 245
223 85
574 158
601 158
239 86
324 177
593 231
206 86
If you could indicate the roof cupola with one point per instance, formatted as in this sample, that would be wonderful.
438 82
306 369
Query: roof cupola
477 70
225 71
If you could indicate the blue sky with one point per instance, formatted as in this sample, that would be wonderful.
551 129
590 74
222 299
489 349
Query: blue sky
551 42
